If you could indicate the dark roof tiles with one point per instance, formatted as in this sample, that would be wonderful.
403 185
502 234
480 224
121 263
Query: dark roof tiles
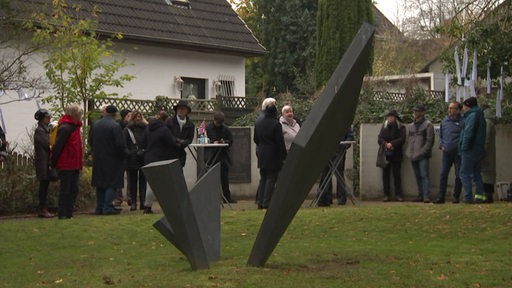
208 25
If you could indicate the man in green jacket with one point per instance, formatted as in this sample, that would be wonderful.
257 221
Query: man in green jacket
471 149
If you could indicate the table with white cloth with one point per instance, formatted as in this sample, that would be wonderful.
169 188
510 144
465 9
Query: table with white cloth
197 151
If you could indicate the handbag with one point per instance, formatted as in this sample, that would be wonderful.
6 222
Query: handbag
382 162
140 152
53 174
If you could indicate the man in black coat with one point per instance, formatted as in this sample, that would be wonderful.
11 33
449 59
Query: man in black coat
218 133
271 150
108 151
182 129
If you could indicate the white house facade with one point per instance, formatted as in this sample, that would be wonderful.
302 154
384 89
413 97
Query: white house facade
190 49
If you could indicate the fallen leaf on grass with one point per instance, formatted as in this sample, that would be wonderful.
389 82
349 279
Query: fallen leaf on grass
108 280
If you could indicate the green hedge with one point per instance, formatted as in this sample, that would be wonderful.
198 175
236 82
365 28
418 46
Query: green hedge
19 189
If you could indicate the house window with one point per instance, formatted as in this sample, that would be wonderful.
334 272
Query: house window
193 88
178 3
227 85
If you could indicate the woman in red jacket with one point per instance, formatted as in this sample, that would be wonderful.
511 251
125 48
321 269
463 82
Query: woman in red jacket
67 158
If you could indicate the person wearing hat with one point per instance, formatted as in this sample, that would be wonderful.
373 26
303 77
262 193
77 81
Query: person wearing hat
471 149
42 159
420 139
108 151
449 135
391 138
182 129
67 158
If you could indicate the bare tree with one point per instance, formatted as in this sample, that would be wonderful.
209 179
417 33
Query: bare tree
14 52
424 18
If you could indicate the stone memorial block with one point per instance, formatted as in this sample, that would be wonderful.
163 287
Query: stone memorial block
192 220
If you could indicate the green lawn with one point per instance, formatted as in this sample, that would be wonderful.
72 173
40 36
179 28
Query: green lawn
395 245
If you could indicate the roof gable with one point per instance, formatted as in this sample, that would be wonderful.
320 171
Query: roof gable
207 25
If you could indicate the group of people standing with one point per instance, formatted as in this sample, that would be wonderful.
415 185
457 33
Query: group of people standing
116 147
467 143
273 137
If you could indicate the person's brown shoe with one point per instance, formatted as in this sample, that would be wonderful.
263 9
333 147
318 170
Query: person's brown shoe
43 213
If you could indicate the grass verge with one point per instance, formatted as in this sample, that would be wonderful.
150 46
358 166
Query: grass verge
405 245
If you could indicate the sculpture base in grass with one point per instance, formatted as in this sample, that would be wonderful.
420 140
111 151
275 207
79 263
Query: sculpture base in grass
327 122
192 220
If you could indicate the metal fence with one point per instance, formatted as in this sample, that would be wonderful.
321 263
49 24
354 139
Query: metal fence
17 159
398 97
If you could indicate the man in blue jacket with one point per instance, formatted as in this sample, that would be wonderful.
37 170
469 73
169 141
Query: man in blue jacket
449 135
471 149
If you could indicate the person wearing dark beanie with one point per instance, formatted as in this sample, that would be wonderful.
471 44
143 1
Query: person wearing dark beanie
471 149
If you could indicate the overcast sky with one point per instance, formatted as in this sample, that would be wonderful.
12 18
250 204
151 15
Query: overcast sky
390 8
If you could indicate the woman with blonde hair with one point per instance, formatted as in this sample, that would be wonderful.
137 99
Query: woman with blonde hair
66 157
289 125
133 134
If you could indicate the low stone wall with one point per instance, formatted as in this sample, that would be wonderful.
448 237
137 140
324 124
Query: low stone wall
370 178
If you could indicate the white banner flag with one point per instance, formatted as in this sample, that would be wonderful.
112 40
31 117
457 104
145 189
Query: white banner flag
499 96
447 87
488 77
474 74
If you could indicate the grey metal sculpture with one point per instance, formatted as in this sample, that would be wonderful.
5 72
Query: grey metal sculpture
192 220
328 120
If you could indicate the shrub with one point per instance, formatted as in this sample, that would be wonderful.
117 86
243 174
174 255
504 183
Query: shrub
19 187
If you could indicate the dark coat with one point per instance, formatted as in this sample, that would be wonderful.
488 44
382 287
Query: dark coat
108 152
134 161
472 137
184 137
268 136
42 151
393 133
157 142
218 133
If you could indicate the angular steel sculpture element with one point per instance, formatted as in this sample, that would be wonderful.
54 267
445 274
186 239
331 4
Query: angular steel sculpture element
192 220
316 141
